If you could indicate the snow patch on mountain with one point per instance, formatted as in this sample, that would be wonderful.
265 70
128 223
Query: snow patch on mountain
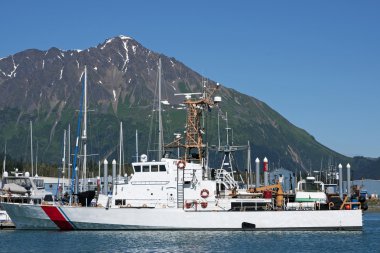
123 37
13 72
105 43
126 59
60 76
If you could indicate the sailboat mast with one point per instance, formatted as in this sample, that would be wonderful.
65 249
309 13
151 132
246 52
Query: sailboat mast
5 156
120 148
74 176
160 133
68 153
63 160
84 136
31 146
37 158
137 146
249 168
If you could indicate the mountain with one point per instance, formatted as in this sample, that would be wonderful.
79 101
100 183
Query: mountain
45 87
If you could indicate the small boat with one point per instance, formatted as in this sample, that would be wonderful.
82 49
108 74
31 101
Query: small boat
21 188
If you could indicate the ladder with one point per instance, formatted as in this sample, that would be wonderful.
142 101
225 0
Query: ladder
180 194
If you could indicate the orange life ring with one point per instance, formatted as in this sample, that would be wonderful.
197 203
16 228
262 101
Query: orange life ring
205 193
181 164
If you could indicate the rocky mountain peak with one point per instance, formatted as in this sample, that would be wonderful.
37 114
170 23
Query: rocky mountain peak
45 86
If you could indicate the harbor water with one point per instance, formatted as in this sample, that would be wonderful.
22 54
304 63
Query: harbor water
195 241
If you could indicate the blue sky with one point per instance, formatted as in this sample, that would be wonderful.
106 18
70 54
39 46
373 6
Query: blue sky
315 62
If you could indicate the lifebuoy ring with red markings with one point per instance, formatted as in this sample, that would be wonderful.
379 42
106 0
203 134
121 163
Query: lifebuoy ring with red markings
181 164
205 193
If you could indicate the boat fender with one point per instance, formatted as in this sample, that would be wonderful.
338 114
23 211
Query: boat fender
347 207
144 205
300 206
128 205
204 204
181 164
331 204
205 193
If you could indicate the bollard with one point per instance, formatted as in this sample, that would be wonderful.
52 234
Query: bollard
340 181
265 171
257 172
348 180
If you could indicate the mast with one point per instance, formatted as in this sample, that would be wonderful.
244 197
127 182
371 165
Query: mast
249 167
63 161
121 163
5 156
74 187
194 146
31 146
227 129
160 133
68 153
137 146
36 159
84 136
218 131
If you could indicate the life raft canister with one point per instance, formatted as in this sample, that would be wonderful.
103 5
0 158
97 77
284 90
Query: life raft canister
187 204
205 193
181 164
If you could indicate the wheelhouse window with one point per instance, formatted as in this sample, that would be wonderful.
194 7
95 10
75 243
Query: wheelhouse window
38 182
145 168
162 167
311 187
137 168
154 168
24 182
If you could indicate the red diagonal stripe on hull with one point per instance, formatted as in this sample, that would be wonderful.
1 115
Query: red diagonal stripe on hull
56 216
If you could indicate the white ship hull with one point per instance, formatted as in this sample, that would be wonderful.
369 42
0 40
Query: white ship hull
95 218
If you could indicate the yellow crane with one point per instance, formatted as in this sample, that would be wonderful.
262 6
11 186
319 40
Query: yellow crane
276 188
